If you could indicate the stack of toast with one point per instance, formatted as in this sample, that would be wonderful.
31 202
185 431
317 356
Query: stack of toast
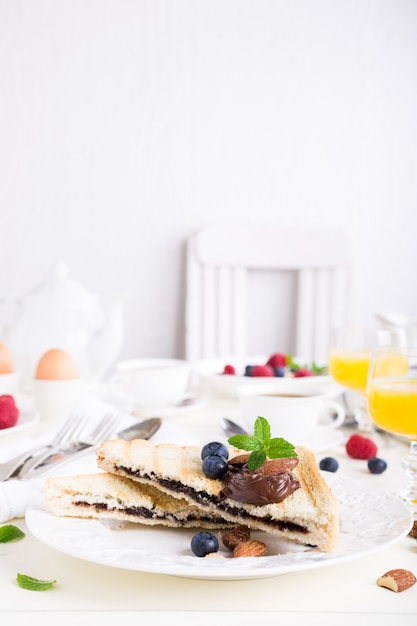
164 485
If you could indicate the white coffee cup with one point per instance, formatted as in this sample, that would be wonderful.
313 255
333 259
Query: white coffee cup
296 414
9 383
148 382
55 399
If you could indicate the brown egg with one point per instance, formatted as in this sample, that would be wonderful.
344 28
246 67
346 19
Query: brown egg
56 364
6 363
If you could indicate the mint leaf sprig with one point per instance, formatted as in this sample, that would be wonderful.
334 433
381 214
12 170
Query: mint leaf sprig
291 363
10 532
316 369
261 445
33 584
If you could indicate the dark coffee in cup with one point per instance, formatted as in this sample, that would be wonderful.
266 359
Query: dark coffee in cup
288 395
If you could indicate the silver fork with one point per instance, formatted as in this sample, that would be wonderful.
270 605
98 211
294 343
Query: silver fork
68 430
69 434
104 429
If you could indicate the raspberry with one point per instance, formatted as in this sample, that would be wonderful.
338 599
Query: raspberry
302 372
277 360
262 370
360 447
229 369
9 412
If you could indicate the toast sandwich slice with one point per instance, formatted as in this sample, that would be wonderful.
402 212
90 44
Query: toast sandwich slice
105 495
308 516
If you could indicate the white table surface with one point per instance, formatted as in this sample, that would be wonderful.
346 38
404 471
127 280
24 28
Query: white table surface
344 593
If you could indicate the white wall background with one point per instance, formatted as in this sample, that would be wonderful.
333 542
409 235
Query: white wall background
126 124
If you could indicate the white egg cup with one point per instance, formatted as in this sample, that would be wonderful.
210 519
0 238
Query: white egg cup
9 383
55 399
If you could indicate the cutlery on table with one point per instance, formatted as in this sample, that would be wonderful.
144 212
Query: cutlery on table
104 429
189 400
231 428
69 431
38 464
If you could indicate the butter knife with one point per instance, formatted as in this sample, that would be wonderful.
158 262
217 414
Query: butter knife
36 466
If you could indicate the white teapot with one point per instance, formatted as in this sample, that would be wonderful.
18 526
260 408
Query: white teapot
61 313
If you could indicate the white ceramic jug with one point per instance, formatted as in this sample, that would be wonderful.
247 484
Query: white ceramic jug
401 326
61 313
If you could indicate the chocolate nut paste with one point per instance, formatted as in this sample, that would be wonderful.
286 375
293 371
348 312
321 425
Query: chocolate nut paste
256 487
204 499
140 512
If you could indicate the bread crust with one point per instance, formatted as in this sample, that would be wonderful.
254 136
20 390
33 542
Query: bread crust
105 495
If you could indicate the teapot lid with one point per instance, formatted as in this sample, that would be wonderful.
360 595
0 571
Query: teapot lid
59 283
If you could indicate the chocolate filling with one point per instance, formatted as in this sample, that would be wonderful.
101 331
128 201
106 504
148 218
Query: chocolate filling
203 498
140 512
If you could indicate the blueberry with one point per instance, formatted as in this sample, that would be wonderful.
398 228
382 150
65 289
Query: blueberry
329 464
215 448
204 543
248 370
376 465
279 372
214 466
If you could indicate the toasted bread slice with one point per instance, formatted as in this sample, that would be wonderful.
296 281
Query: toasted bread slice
110 496
309 516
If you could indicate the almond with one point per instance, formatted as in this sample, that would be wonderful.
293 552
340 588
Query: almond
249 548
276 466
239 460
413 531
397 579
232 537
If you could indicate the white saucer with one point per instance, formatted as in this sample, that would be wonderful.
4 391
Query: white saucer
188 404
25 420
324 441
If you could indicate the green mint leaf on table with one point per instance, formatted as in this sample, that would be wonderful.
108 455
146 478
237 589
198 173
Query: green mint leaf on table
261 445
10 533
33 584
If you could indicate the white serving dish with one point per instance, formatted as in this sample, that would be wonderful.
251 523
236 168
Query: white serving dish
212 381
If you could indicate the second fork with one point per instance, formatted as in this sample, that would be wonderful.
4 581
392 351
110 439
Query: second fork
73 431
106 427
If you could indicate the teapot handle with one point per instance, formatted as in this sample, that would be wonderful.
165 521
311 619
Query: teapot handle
6 301
117 386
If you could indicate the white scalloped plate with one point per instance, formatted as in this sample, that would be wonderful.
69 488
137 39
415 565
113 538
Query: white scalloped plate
369 522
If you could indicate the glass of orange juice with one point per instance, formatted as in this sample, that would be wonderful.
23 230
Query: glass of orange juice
350 353
392 403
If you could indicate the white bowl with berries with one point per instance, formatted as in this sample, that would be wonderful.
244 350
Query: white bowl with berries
222 376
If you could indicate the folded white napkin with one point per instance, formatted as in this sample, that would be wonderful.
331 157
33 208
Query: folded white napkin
16 496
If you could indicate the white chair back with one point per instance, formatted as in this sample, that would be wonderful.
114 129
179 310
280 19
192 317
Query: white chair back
219 257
